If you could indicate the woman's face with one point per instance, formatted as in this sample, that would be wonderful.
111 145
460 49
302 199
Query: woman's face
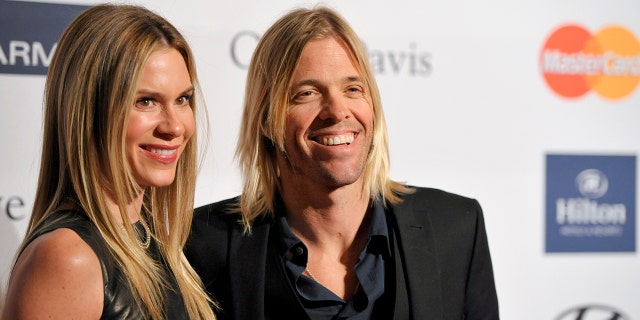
161 121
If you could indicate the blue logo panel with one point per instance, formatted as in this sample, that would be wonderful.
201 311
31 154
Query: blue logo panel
29 32
590 203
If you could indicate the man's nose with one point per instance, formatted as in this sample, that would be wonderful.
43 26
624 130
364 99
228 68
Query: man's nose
335 106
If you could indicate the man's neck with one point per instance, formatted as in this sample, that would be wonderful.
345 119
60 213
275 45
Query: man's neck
334 228
327 218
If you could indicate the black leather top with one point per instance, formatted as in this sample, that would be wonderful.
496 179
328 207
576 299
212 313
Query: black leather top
118 301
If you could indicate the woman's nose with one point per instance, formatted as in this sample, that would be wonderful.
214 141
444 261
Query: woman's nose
171 123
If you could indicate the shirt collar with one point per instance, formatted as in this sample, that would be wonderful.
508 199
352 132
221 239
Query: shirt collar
379 232
378 240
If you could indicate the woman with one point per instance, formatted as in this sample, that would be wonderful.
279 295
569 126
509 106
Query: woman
115 193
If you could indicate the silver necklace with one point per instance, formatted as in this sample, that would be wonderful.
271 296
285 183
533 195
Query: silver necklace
308 273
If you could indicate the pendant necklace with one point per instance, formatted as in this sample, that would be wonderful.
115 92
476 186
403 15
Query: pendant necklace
147 235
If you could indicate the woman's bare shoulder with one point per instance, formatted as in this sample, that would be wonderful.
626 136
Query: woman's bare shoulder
58 275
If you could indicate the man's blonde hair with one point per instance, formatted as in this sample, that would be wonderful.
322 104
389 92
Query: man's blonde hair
269 79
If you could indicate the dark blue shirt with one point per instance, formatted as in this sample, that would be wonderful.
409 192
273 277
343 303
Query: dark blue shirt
318 301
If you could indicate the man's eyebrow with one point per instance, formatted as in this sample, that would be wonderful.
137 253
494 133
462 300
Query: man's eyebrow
316 82
305 83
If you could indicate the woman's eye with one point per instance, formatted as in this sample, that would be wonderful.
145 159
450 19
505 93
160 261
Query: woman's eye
145 103
184 100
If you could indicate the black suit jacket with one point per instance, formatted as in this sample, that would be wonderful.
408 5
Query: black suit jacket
442 262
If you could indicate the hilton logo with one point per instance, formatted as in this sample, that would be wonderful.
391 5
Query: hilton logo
592 312
592 183
590 205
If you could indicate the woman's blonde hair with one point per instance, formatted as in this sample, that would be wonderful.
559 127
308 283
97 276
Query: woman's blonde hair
269 79
89 91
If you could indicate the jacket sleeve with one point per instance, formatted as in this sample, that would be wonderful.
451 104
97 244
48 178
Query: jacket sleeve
481 301
447 258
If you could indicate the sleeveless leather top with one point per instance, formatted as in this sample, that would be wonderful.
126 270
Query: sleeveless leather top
118 301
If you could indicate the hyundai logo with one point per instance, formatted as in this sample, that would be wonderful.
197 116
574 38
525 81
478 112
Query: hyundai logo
592 312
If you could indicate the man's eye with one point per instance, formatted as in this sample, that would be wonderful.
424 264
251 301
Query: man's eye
303 95
355 89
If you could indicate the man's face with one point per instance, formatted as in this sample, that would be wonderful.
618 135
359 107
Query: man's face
329 124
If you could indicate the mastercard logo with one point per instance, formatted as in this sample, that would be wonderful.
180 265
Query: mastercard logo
575 61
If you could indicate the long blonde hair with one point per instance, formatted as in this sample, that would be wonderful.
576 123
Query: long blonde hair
89 89
271 70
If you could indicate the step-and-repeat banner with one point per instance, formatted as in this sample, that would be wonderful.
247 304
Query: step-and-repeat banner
532 107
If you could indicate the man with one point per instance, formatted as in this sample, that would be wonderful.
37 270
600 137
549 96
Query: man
320 231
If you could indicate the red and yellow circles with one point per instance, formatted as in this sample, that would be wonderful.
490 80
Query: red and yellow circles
574 62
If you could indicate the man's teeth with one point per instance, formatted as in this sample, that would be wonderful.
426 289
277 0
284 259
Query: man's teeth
163 152
332 141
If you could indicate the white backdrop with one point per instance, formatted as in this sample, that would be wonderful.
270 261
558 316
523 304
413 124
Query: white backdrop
468 111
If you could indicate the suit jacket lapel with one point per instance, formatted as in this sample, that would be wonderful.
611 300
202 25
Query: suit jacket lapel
247 272
401 307
417 250
281 301
259 286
